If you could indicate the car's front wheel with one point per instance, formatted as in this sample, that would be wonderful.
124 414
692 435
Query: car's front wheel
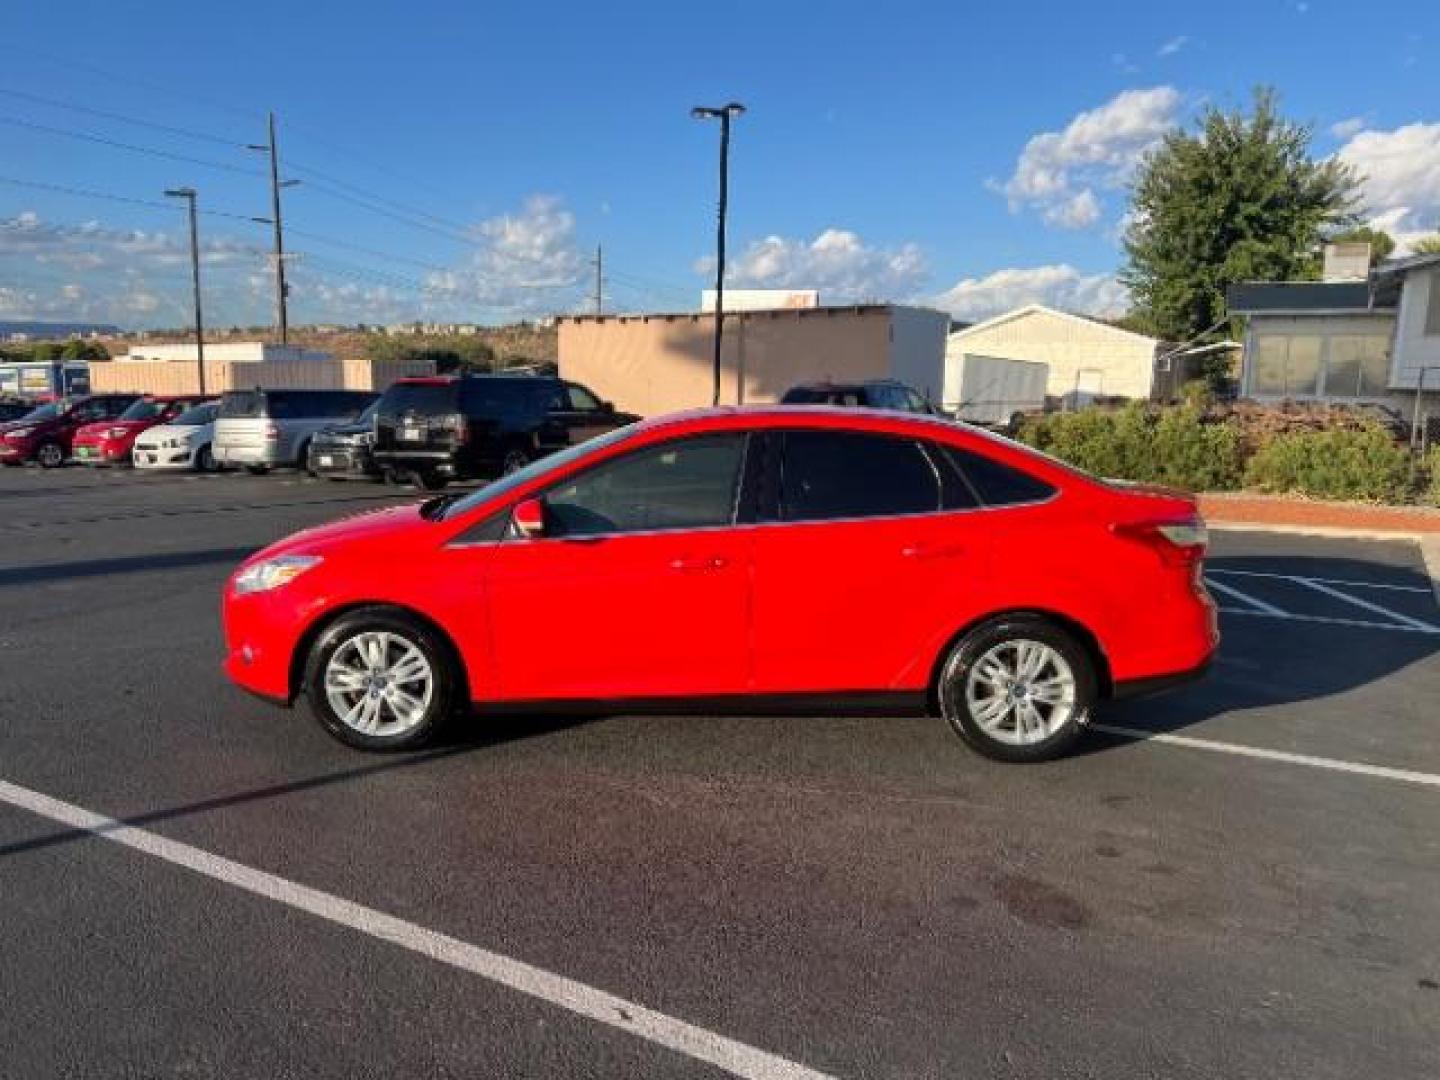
50 455
1018 688
379 679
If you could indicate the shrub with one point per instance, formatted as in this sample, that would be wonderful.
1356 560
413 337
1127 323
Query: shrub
1432 462
1172 446
1338 464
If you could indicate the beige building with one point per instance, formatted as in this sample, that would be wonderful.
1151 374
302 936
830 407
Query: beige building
1087 358
171 369
654 364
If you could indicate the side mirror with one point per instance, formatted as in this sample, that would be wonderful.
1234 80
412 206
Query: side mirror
528 518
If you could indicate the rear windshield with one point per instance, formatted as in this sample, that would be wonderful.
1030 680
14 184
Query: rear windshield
294 404
428 398
809 395
485 397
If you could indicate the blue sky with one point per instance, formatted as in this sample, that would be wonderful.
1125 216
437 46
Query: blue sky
968 158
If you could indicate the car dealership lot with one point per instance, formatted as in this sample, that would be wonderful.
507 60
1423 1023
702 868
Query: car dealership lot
859 897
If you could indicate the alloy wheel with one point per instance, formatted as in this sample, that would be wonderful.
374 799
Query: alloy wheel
1020 691
379 683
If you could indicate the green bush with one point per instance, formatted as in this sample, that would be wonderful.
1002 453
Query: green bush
1171 446
1336 464
1432 462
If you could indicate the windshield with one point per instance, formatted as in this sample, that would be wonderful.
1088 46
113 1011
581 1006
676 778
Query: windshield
44 412
197 416
144 409
497 488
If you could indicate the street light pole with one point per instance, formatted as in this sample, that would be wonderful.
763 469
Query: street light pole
723 113
189 194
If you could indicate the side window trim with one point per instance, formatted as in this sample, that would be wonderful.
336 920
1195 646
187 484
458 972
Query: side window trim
781 456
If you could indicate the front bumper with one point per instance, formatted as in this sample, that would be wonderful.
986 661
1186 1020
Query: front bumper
100 453
163 457
262 632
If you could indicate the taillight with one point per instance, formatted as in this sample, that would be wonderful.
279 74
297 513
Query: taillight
272 432
1177 542
462 428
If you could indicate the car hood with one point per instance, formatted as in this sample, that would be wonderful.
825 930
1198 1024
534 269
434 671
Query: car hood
173 431
101 426
14 425
372 527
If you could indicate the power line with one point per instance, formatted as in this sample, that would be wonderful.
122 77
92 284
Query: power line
116 144
105 114
364 193
109 197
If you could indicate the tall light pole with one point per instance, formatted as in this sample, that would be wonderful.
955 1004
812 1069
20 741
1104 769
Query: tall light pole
723 113
282 292
188 194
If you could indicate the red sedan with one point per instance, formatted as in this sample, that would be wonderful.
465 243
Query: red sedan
112 442
754 560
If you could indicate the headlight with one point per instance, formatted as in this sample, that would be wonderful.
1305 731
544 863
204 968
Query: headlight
19 433
116 433
272 573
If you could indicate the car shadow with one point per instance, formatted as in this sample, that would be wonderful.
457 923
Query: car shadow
1267 660
120 564
467 736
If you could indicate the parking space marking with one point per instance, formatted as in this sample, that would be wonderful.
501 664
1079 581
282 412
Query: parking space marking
1335 764
1367 605
1323 580
1367 624
695 1042
1260 606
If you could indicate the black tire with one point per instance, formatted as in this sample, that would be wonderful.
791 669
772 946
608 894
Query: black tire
50 455
956 670
429 479
447 685
257 470
205 460
302 457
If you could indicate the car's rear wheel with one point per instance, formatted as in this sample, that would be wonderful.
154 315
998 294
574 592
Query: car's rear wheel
205 459
429 479
379 679
50 455
1018 688
257 470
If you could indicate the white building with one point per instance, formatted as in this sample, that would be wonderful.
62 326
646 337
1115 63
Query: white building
235 352
1368 340
762 299
1086 358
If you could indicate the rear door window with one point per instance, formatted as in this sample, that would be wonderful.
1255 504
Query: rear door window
829 475
244 404
998 484
582 400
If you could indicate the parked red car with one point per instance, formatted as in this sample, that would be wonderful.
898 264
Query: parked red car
112 442
47 434
758 560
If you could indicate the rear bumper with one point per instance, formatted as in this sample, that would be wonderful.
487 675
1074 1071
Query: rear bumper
247 455
1156 684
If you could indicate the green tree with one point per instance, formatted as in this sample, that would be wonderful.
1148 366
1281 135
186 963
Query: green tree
1237 199
1382 244
1427 245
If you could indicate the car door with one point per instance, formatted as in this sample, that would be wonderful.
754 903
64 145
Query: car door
638 586
870 548
588 415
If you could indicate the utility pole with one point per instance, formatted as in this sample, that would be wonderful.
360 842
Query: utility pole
723 113
189 195
282 291
599 280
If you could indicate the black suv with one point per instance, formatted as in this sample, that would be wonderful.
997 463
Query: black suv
871 394
462 426
346 451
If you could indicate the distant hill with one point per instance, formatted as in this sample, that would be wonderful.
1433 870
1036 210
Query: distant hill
38 331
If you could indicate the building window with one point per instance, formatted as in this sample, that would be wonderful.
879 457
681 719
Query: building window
1287 366
1358 366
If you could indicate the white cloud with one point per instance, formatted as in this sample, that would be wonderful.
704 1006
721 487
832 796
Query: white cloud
1173 46
1348 128
1400 172
837 262
1058 286
1098 148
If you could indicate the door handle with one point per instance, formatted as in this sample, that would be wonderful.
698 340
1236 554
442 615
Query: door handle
714 562
932 551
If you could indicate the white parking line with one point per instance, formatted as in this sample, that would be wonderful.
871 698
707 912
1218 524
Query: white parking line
1366 605
1325 580
1368 624
1404 775
734 1057
1259 605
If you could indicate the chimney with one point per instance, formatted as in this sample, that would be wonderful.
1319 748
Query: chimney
1349 261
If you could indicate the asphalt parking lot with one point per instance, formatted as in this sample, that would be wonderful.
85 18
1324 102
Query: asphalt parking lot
1239 879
